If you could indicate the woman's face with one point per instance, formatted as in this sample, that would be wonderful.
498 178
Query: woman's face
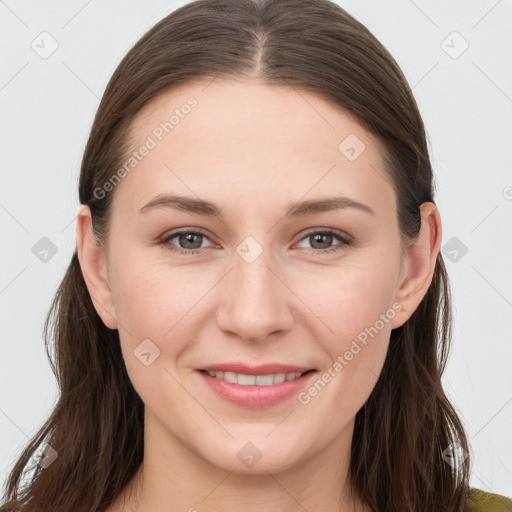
252 284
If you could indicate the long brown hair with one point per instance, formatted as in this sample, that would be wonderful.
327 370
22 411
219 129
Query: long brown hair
409 450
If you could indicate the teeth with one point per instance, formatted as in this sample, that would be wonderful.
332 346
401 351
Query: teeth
254 380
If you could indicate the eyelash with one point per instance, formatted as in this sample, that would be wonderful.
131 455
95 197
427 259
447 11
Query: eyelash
344 239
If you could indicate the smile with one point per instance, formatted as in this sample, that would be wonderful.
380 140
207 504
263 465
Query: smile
255 391
255 380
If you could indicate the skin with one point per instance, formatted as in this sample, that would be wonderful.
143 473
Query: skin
253 149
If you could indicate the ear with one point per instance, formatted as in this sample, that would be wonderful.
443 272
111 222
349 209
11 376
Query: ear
93 262
418 264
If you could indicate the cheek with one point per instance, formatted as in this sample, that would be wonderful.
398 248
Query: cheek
159 307
354 303
151 303
352 296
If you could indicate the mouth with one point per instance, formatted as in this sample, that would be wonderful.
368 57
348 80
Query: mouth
244 379
255 391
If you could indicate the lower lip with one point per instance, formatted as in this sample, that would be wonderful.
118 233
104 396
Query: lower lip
256 396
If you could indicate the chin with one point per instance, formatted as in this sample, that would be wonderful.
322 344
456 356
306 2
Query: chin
254 458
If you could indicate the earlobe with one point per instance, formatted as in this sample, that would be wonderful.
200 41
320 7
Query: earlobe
92 258
419 264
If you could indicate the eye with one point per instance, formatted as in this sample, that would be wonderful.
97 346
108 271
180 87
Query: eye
325 237
191 240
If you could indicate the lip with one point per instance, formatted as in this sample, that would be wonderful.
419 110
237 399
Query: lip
262 369
255 396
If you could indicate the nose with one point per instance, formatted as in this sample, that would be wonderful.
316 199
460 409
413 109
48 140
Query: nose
256 301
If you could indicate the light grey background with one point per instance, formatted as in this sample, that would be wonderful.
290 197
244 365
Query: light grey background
47 107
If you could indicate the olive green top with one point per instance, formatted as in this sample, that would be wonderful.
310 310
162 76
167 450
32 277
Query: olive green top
481 501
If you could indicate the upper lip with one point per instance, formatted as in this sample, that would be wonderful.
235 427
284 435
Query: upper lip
262 369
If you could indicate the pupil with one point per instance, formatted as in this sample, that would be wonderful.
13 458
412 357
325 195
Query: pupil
319 236
187 238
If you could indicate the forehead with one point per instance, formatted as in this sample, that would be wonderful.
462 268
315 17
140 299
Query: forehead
233 139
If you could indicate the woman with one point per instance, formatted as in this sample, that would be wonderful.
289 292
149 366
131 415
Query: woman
257 314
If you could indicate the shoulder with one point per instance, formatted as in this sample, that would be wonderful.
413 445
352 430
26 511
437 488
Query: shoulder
481 501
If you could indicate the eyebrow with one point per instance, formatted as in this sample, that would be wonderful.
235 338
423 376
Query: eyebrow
209 209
